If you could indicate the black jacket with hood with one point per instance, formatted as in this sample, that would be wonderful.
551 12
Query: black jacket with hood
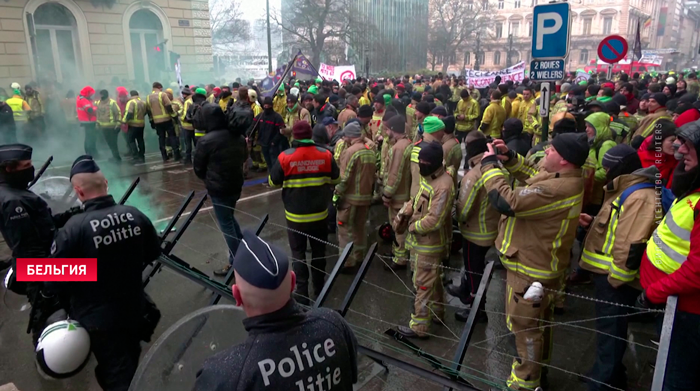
268 125
514 138
220 155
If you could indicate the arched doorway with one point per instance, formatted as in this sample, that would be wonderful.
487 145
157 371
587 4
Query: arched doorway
56 44
146 33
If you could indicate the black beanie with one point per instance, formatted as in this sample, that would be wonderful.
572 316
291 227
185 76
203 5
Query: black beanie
449 122
564 125
423 107
417 96
512 127
365 111
433 153
439 110
621 160
660 98
396 124
572 147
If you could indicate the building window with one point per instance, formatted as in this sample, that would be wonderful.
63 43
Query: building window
515 28
485 5
467 57
516 4
480 58
499 30
500 4
529 28
583 57
607 25
496 58
470 6
587 26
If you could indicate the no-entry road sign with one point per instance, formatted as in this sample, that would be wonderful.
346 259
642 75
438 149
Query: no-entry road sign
612 49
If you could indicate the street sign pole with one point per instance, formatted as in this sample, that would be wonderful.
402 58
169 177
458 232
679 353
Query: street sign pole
545 99
551 33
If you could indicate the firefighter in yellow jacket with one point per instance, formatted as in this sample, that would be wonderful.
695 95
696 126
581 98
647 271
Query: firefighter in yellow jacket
527 113
134 118
187 128
613 250
397 182
159 110
536 232
108 121
426 240
353 195
478 223
466 113
494 117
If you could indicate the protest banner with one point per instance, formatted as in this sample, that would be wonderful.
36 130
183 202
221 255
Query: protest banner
338 73
482 79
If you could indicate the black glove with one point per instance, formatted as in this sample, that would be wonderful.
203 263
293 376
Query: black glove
644 302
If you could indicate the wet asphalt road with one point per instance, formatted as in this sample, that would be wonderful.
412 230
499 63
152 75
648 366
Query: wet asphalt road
382 302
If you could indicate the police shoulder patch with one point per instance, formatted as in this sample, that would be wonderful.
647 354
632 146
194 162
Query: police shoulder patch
53 248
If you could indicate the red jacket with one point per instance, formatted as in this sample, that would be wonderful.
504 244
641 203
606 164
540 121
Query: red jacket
684 282
688 116
665 163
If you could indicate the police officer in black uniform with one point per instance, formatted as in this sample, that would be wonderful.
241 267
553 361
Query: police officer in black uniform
27 225
111 309
287 348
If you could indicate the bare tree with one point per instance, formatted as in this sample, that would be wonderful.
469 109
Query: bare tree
314 24
228 28
454 24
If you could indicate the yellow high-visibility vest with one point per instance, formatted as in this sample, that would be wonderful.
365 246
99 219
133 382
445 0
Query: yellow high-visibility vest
669 245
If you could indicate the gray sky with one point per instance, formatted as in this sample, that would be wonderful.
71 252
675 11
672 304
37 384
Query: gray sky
256 9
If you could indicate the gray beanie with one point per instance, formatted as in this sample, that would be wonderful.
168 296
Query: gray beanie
565 87
353 130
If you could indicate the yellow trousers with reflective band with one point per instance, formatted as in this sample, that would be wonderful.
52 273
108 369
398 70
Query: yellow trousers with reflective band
430 295
400 255
351 228
526 320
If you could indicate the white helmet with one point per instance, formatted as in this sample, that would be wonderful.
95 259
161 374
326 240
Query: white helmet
63 349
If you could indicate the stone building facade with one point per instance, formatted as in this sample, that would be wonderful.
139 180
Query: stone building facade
592 20
75 42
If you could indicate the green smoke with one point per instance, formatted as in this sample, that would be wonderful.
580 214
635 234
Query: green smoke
141 198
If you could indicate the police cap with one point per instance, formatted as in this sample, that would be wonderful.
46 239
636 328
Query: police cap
84 164
9 152
260 264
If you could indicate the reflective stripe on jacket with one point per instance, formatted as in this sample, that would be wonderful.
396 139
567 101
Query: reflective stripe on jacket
135 112
157 106
669 245
431 208
305 173
357 167
618 235
19 108
108 113
478 221
540 219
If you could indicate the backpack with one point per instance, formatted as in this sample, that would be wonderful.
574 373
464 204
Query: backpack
240 118
667 197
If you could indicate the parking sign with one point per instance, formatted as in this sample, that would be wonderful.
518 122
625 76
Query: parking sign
550 31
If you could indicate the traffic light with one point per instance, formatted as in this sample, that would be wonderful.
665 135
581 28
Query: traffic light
158 57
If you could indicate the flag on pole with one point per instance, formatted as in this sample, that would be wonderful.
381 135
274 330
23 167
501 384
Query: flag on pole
647 24
637 48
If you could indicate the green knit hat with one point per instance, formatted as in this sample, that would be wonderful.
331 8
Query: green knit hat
387 99
319 80
313 90
201 91
281 87
433 124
